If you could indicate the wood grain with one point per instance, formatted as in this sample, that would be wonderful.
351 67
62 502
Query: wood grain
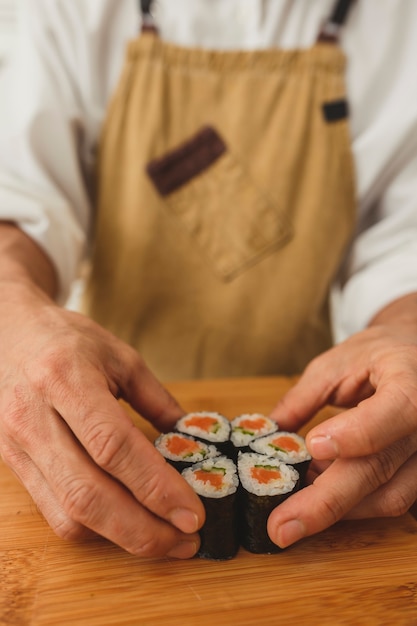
356 573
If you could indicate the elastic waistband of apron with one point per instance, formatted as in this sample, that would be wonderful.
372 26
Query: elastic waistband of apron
321 55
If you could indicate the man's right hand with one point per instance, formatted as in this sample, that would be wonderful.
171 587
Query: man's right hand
71 443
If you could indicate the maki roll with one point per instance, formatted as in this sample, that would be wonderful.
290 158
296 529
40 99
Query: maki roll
289 448
181 451
247 427
265 483
216 482
207 426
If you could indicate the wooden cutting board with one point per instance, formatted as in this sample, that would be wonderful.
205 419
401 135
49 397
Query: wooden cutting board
356 573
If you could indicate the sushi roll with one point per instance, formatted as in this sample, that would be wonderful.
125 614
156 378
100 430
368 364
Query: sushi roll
216 483
247 427
207 426
181 451
265 483
289 448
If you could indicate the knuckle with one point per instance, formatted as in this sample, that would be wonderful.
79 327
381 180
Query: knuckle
379 468
9 454
396 502
81 501
54 365
13 410
369 445
107 447
133 359
153 489
125 361
16 422
332 509
68 529
330 504
314 365
59 369
14 458
149 546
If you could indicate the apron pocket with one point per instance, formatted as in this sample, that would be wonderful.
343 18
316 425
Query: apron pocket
208 190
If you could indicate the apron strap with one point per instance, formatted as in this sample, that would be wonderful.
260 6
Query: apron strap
148 23
330 30
145 6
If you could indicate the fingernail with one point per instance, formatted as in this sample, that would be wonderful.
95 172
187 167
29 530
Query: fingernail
323 447
184 520
290 532
183 550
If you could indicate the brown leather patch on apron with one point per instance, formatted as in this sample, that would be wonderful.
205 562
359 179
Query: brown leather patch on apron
180 165
234 227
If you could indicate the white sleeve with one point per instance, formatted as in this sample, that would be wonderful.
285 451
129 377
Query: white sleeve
382 263
55 91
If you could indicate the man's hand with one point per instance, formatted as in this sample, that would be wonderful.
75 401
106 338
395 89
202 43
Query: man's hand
365 458
63 431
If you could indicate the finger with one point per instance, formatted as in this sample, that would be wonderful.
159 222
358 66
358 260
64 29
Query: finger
91 498
105 430
373 425
392 499
334 493
301 402
328 379
44 498
110 438
124 369
144 392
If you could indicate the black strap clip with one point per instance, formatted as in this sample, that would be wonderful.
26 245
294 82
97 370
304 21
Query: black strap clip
330 30
148 22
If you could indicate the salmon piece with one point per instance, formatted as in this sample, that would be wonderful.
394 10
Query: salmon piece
179 446
286 443
206 423
215 479
264 475
252 423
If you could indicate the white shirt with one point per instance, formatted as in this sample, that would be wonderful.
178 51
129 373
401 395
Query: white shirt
8 27
66 66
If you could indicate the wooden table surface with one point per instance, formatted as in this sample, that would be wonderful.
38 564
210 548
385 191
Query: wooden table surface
356 573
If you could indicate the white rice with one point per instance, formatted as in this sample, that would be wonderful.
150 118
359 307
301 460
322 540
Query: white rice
264 446
222 431
285 484
207 451
241 437
230 479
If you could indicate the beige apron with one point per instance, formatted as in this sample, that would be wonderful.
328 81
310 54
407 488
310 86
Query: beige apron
226 202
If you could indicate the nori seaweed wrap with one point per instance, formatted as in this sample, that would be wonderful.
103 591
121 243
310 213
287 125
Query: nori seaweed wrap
216 482
265 482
